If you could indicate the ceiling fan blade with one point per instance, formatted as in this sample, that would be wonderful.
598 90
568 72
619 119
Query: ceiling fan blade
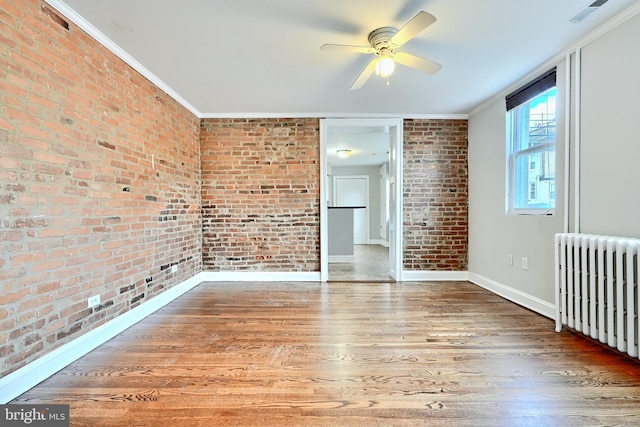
418 23
364 75
346 48
420 64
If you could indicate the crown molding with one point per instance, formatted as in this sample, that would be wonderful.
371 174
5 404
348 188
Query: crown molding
253 115
109 44
87 27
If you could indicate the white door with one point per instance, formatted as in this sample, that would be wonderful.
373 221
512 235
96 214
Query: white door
354 191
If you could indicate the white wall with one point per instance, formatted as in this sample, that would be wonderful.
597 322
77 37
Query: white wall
374 192
610 143
609 179
493 235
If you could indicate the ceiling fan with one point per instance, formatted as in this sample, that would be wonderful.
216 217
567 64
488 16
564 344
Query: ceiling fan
384 42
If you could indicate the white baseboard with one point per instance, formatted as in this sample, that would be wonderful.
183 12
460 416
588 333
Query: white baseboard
518 297
37 371
341 258
532 303
259 276
25 378
419 276
380 242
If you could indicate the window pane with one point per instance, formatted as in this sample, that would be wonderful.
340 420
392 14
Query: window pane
535 187
533 137
542 118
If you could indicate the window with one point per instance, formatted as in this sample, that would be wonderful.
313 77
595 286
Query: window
532 191
531 147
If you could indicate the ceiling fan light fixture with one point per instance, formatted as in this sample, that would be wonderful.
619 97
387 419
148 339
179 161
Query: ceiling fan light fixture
343 153
385 66
384 42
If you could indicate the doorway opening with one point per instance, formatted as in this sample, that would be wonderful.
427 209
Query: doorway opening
361 194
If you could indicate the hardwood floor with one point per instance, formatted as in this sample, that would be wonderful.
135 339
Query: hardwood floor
346 354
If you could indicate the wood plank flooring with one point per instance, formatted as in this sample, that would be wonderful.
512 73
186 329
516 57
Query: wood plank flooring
346 354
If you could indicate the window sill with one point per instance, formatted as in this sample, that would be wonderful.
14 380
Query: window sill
532 212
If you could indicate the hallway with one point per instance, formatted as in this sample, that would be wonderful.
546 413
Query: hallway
371 265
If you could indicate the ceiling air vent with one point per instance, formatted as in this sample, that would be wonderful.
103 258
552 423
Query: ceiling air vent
587 11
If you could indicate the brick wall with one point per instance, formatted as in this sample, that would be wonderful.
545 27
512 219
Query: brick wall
435 195
260 194
99 185
100 188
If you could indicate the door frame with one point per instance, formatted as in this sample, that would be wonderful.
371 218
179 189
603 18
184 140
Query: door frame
395 234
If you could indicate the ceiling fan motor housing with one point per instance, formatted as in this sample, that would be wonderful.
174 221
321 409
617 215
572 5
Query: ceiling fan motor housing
383 42
380 38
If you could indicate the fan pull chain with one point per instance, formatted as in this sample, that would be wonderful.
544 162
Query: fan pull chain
388 84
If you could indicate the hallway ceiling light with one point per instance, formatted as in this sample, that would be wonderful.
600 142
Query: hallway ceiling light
343 153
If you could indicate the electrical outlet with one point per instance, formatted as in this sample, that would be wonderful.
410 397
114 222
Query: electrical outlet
525 263
93 301
174 268
509 259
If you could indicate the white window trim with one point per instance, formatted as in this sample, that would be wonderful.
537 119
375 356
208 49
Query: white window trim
511 176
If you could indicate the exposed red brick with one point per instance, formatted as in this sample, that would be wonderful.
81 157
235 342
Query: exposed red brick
435 199
72 113
261 195
102 188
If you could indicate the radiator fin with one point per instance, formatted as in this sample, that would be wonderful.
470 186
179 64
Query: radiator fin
597 288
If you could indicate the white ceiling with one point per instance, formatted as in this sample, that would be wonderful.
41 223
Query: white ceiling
369 146
244 58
